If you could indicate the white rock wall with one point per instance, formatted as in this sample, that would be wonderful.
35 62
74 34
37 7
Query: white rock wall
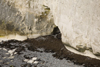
78 20
79 23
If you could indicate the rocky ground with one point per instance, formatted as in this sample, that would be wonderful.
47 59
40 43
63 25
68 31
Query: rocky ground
44 51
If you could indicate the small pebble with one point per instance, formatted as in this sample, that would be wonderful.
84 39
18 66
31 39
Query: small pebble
35 62
34 58
4 49
11 57
4 57
15 52
11 51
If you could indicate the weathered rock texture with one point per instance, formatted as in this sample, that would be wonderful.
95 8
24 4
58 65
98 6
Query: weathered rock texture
78 20
79 23
25 17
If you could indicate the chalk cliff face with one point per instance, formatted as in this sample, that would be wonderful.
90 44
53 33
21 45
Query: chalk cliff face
78 20
79 23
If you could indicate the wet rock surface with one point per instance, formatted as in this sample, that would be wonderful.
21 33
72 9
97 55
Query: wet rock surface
44 51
